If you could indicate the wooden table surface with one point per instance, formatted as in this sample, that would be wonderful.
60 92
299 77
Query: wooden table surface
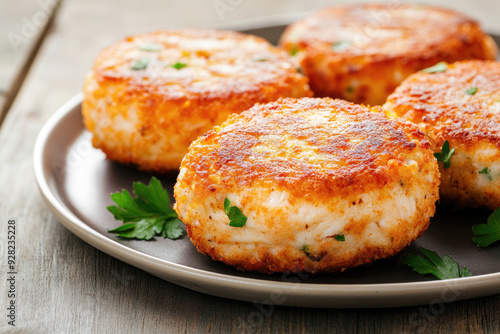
64 285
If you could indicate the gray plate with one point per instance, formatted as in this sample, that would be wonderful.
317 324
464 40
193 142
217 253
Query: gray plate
76 180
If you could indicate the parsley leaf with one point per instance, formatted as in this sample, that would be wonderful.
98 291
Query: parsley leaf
465 272
486 173
178 66
294 50
140 64
172 229
150 47
339 237
445 154
147 214
305 249
260 58
471 91
439 67
341 46
442 268
486 234
236 217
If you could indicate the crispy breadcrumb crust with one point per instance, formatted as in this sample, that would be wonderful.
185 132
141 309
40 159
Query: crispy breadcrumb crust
148 117
304 171
362 52
440 105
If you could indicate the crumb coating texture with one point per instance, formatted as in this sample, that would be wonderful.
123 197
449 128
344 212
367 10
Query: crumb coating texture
362 52
193 79
305 171
439 103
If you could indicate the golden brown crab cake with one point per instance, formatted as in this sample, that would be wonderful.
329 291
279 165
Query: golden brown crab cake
460 104
325 185
362 52
149 96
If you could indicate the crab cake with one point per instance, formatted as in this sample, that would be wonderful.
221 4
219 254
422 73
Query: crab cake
148 97
458 103
323 184
361 53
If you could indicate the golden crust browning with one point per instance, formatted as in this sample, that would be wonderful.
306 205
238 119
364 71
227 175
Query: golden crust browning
149 116
361 53
368 147
446 106
304 171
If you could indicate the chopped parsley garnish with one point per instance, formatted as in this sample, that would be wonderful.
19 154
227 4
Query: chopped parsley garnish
140 64
442 268
178 66
486 234
339 237
150 47
486 173
471 91
146 214
350 90
341 46
236 217
260 58
294 50
445 154
305 249
439 67
299 70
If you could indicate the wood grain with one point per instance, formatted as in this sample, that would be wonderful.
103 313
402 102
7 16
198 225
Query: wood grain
67 286
26 24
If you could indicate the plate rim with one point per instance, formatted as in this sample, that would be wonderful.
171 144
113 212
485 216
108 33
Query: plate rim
246 289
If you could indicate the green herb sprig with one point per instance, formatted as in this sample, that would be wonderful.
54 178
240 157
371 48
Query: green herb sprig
305 249
140 64
486 173
441 267
471 91
439 67
445 154
260 58
147 214
150 47
339 237
486 234
236 217
341 46
178 66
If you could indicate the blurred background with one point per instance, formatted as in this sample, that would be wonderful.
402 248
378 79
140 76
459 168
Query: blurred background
90 25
